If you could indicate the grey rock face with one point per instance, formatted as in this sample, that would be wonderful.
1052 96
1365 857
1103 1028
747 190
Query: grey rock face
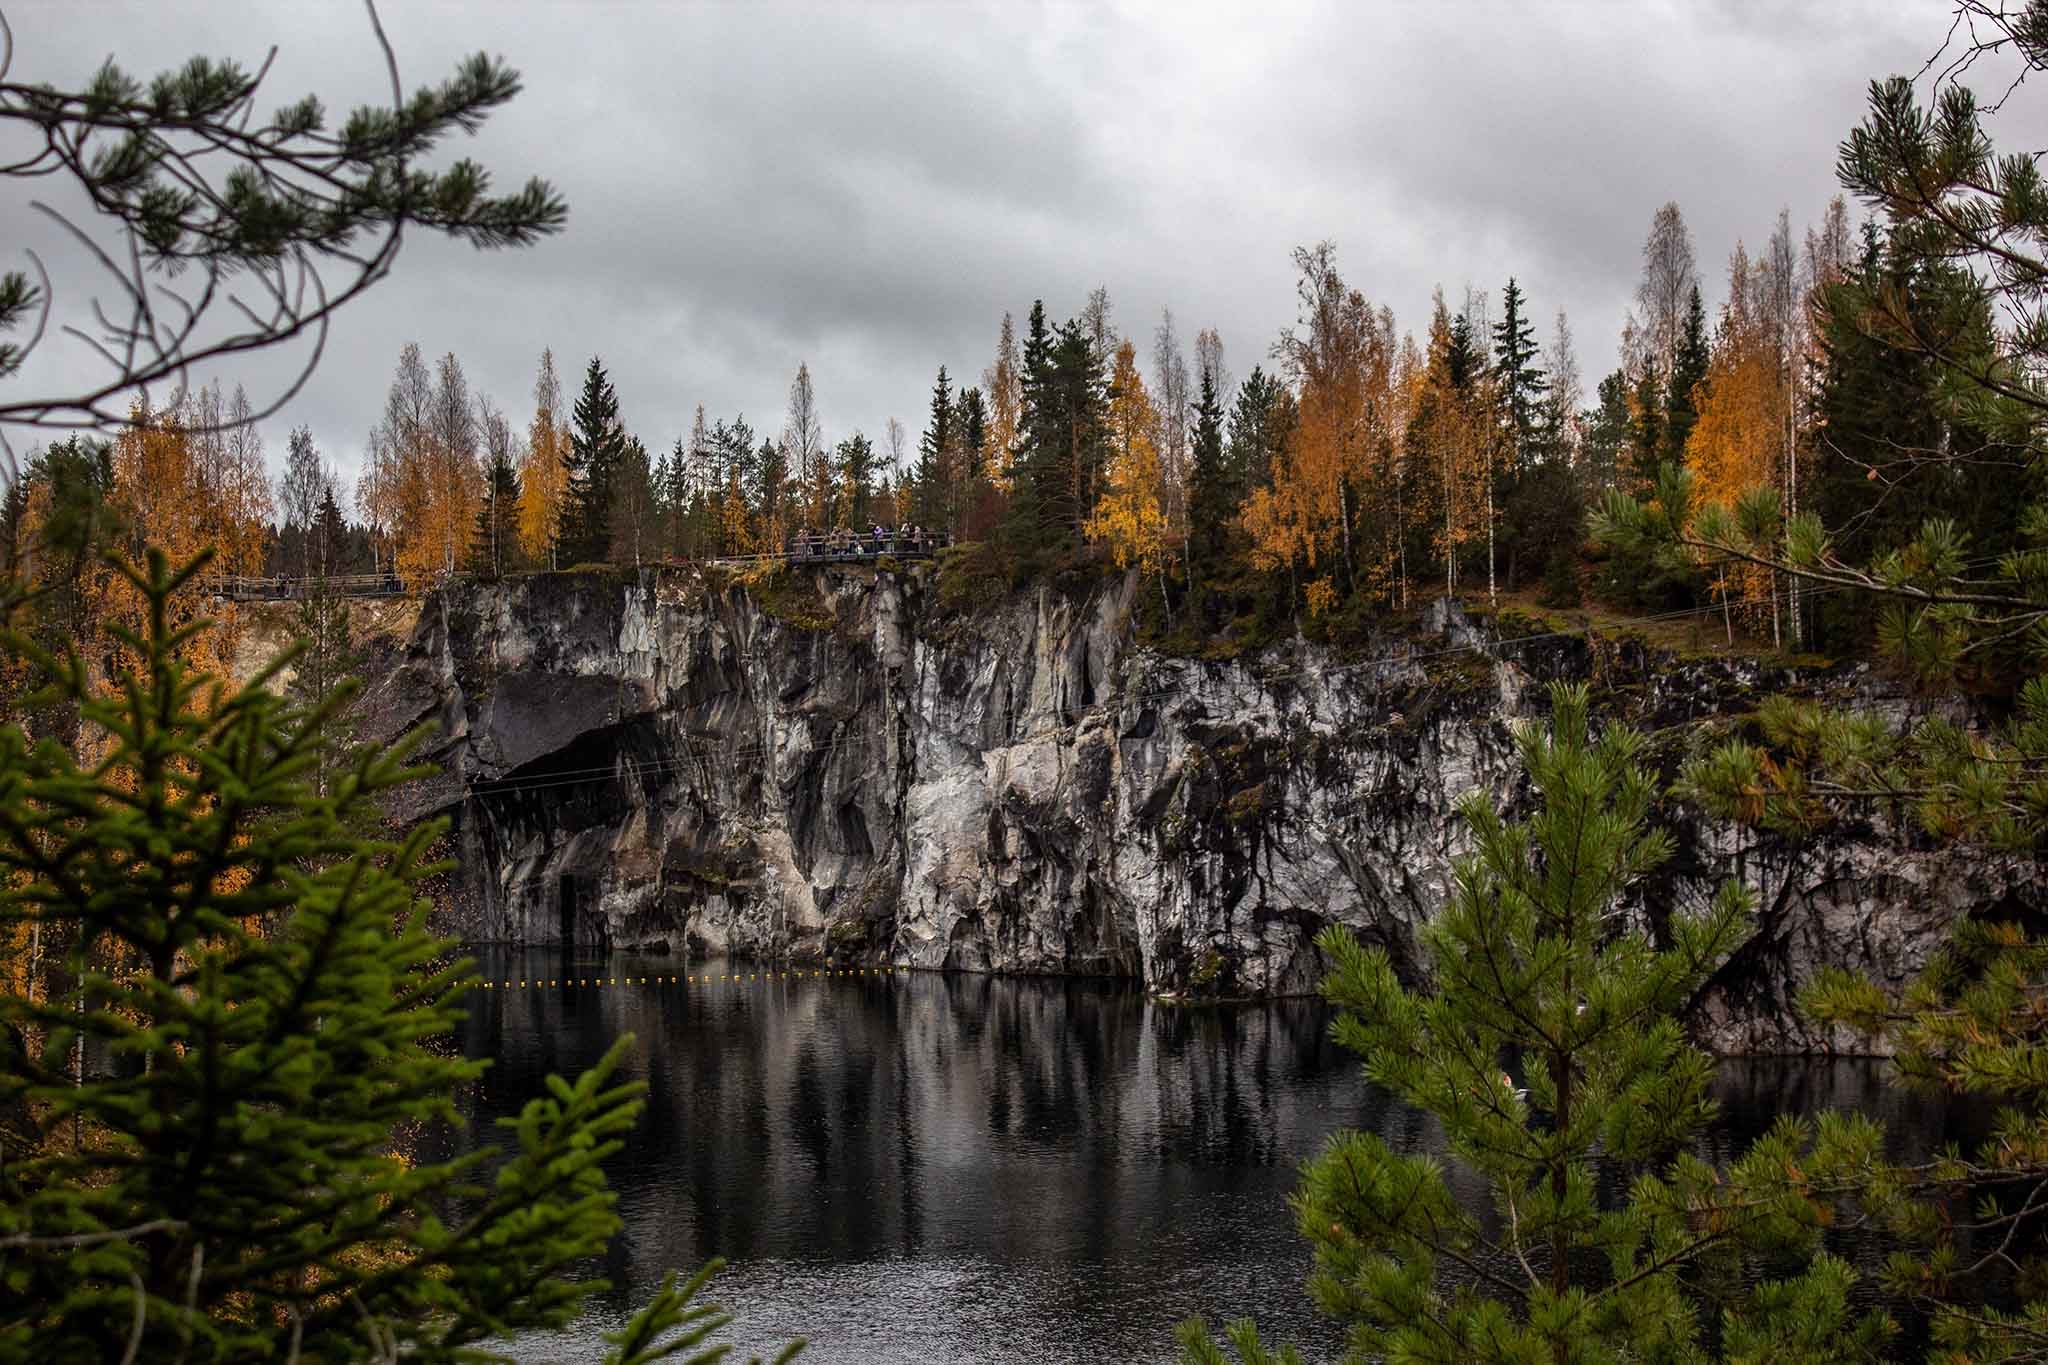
848 771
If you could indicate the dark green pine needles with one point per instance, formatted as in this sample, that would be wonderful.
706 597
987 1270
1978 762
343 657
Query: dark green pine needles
261 1012
1547 1045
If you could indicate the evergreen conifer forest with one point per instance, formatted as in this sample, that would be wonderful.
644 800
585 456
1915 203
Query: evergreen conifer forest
235 1031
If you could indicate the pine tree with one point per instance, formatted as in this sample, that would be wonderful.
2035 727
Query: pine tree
1607 1237
597 444
186 186
269 1008
1970 223
733 458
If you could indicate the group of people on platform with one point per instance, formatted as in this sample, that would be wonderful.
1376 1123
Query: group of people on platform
846 543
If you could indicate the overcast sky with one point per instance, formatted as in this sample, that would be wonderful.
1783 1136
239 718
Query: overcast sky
868 187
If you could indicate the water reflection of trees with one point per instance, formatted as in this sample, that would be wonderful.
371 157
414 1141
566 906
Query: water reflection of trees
1067 1134
928 1115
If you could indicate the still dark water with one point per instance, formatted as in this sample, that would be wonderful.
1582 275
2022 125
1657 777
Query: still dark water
916 1167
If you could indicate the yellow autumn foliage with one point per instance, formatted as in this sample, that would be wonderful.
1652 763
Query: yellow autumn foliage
543 479
1735 443
1130 517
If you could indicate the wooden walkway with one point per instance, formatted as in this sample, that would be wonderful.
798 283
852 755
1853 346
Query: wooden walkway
292 588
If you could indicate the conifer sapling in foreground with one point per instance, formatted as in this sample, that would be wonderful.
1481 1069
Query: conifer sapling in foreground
1548 1045
256 998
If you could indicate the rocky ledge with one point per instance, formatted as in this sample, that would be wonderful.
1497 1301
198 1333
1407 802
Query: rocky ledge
836 766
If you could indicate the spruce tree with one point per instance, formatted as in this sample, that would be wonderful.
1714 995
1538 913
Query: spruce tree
1525 516
768 490
971 412
1522 382
633 524
1645 450
327 658
1603 456
494 545
264 1010
855 460
682 497
1881 410
1080 397
1547 1043
1258 430
329 542
597 443
936 453
1688 371
1212 504
1028 523
1063 444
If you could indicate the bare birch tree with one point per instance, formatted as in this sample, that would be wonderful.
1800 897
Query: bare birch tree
1171 398
803 446
1669 276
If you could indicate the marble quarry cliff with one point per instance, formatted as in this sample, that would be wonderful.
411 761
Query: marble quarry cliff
835 766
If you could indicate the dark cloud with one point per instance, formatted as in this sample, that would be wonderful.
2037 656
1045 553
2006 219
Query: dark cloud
868 188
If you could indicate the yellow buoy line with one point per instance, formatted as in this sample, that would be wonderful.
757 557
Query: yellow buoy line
685 979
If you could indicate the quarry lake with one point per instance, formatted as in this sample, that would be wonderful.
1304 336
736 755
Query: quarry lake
921 1167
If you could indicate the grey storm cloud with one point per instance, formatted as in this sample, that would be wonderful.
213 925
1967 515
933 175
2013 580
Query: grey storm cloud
867 188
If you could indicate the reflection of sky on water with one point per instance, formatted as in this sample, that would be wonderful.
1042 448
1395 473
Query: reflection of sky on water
920 1167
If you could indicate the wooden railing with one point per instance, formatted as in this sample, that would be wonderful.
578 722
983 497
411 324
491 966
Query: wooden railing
288 587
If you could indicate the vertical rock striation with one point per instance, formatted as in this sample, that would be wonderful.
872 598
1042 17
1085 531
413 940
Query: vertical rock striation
834 766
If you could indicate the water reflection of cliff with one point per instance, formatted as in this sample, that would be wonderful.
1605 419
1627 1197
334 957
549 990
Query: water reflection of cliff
945 1167
1130 1159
